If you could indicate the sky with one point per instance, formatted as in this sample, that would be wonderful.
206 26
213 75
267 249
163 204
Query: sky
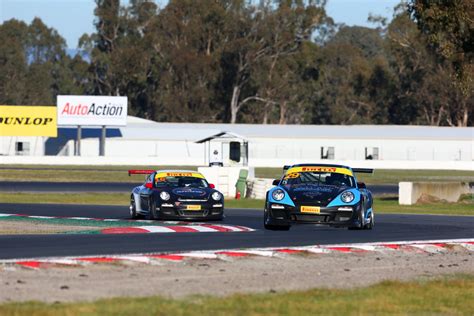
72 18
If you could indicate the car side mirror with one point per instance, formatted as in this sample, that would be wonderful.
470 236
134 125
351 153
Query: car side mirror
212 186
149 185
275 182
361 185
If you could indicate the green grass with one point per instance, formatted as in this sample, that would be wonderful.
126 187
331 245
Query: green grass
445 296
386 204
54 173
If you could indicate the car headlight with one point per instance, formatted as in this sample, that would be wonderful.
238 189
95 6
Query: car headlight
278 195
347 197
165 196
216 196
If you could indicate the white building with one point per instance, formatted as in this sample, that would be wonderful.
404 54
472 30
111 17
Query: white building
142 141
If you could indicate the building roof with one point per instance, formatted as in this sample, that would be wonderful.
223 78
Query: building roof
144 129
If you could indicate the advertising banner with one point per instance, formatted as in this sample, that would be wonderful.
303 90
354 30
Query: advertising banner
19 120
92 110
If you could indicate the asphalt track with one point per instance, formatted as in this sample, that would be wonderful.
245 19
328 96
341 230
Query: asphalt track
389 227
117 187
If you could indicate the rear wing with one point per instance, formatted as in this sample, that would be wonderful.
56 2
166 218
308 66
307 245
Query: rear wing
362 170
140 171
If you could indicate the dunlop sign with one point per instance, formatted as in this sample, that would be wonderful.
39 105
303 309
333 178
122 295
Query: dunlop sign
92 110
18 120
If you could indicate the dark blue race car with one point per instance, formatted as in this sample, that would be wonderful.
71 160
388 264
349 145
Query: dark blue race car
319 194
176 195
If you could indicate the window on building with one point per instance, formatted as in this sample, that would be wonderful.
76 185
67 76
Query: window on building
371 153
22 148
327 152
235 151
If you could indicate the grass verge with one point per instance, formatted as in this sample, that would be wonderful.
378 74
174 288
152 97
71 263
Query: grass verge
445 296
53 173
388 204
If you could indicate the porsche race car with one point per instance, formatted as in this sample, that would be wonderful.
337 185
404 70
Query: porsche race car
319 194
176 194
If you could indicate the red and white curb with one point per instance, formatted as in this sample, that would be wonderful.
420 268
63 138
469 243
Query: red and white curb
179 226
95 219
201 228
426 246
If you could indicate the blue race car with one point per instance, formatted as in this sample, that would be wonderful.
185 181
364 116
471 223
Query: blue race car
319 194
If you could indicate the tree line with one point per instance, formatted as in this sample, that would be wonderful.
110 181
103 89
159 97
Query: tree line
269 62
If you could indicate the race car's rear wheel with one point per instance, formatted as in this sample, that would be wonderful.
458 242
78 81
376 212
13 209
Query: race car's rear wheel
266 220
152 213
133 208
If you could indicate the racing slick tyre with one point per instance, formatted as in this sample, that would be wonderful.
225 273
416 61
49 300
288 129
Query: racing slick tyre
361 224
266 219
133 208
371 222
152 213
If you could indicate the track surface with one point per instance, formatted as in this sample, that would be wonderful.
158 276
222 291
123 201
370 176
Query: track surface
11 186
389 227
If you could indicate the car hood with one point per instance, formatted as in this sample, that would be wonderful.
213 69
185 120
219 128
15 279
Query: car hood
314 194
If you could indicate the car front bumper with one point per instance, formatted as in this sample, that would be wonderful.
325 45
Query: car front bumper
206 211
343 216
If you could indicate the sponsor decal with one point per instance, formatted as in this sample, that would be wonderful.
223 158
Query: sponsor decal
320 169
189 192
20 120
314 188
162 175
92 110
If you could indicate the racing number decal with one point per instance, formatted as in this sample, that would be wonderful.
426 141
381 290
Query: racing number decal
292 176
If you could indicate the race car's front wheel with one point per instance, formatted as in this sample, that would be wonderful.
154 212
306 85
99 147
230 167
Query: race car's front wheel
371 222
267 225
133 207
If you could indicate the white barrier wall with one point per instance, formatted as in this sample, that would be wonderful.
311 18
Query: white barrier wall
275 163
410 192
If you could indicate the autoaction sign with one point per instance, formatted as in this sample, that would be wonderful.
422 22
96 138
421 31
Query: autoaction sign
91 110
18 120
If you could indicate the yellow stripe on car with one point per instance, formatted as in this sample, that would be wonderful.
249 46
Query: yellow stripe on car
320 169
179 174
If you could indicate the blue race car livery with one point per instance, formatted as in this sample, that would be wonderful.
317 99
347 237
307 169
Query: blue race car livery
319 194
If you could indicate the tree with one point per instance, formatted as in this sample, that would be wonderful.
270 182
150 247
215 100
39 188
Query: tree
35 67
263 34
424 78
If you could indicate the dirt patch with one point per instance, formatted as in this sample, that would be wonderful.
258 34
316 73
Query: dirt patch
23 228
215 277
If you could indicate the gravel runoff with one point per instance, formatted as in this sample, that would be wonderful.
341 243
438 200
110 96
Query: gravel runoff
16 228
222 278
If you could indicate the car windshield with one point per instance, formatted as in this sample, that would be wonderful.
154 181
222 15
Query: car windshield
318 178
179 182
